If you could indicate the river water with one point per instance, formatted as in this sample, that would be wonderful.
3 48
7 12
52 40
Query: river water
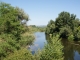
39 42
71 50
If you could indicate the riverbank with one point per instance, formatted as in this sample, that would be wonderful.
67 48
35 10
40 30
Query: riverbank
45 53
27 39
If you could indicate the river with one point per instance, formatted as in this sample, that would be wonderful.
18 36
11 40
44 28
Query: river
71 50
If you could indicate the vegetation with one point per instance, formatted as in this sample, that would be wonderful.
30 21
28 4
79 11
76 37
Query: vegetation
53 50
34 28
27 39
11 31
22 54
15 35
66 25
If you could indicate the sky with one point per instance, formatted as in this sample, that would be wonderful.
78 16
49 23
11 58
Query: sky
42 11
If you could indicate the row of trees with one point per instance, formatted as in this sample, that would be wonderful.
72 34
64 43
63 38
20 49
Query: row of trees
66 25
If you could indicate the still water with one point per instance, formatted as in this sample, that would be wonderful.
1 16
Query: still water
39 42
71 49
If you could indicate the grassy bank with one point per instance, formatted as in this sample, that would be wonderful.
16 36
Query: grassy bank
27 38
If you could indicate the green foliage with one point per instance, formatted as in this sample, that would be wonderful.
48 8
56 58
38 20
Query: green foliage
65 32
12 38
71 38
26 40
53 51
7 45
8 22
21 14
50 27
5 49
37 54
33 28
22 54
11 29
66 24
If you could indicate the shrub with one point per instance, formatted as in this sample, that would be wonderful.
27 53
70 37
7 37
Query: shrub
53 51
71 38
22 54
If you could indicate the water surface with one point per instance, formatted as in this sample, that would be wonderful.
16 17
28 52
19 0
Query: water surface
39 42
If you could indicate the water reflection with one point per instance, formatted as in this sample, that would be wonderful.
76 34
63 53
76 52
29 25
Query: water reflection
68 50
39 41
71 50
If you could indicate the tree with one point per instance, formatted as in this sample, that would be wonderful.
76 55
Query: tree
50 27
66 24
21 14
10 29
9 22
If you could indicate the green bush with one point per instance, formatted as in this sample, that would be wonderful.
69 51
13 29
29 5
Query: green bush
22 54
5 49
71 38
26 40
53 51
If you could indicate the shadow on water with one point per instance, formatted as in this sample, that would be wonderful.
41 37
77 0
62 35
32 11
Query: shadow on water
71 50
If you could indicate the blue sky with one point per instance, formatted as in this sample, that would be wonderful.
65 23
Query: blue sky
41 11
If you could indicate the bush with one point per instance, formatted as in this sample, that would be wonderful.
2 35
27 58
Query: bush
71 38
5 49
22 54
53 51
26 40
